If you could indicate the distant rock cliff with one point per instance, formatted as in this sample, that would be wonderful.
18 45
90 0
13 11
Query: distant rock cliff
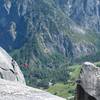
84 12
55 26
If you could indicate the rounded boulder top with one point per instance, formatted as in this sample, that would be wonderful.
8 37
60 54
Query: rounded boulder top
9 69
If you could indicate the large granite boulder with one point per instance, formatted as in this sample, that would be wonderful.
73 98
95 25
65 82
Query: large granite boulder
9 69
88 84
16 91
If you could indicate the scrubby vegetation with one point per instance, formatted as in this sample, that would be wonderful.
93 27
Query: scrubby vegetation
68 89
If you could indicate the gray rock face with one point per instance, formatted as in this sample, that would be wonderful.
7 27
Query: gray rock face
9 70
83 48
88 14
15 91
89 84
84 12
55 26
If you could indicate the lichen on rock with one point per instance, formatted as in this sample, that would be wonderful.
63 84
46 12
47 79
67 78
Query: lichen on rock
88 84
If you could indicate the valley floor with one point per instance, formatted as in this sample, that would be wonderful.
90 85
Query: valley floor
67 90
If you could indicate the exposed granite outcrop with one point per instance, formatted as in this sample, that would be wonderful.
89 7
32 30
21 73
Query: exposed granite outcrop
16 91
9 69
88 87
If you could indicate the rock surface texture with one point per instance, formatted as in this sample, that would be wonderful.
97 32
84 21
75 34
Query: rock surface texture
9 69
88 87
16 91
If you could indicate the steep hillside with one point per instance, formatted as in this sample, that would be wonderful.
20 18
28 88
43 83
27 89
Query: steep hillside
45 28
84 12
